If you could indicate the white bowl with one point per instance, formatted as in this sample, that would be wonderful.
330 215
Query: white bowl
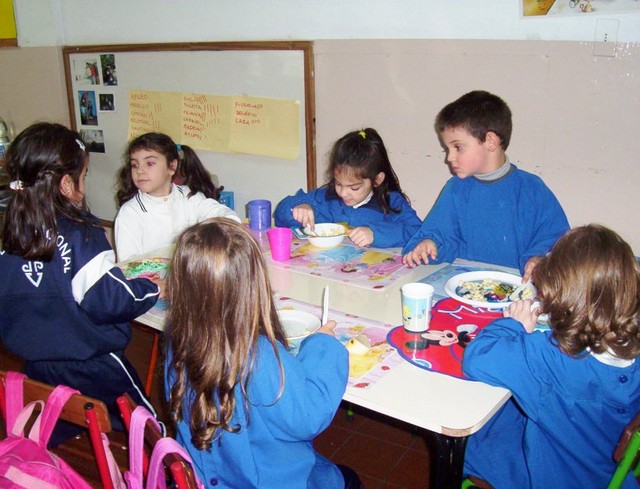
297 326
325 235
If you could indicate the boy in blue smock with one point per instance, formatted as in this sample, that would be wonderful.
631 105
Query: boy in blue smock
490 211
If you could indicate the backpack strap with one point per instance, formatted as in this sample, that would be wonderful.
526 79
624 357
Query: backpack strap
134 476
51 412
13 397
156 475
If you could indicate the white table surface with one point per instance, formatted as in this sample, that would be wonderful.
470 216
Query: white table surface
430 400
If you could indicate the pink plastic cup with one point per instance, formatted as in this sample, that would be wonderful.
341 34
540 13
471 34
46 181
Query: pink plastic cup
280 243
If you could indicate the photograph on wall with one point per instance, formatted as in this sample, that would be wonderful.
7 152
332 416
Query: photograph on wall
108 63
107 102
85 71
532 8
93 140
88 108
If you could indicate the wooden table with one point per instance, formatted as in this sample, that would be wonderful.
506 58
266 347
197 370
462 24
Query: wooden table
450 408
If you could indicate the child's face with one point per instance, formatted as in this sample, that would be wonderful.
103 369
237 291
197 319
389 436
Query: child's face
151 172
350 188
467 155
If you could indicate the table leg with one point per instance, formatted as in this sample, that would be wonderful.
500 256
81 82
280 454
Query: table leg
153 358
447 460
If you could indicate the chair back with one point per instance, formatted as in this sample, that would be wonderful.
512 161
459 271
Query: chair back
177 467
83 411
627 454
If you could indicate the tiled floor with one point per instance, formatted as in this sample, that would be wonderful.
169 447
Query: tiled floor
386 454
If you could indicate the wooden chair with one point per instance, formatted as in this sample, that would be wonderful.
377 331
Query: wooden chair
80 410
178 468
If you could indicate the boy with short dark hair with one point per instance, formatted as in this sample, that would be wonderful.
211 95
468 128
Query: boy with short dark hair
490 211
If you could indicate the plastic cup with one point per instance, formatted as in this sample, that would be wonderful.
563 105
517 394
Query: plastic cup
416 306
280 243
259 214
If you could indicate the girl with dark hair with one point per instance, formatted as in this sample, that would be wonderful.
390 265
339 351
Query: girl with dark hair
362 190
153 209
577 385
245 408
64 306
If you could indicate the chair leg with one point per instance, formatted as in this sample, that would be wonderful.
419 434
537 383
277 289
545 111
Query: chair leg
152 363
98 447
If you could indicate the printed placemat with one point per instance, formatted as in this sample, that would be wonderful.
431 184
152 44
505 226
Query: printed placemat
364 370
365 267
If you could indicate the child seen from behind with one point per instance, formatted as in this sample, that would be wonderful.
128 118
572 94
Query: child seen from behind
363 191
246 409
490 211
153 209
577 385
64 306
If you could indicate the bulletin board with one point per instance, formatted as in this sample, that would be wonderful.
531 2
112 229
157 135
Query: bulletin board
247 108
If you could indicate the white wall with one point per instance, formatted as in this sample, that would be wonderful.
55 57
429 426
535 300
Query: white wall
576 115
49 22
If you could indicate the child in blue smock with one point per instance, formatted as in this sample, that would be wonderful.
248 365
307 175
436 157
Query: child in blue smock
246 409
363 191
490 211
577 385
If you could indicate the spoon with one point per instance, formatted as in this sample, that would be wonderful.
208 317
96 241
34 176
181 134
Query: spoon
325 305
516 294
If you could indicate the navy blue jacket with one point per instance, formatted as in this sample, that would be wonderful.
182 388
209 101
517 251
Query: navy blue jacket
76 307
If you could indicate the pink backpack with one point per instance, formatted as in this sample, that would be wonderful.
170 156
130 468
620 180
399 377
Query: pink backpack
26 462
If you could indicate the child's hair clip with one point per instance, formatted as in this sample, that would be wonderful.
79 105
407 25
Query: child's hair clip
16 185
81 145
363 134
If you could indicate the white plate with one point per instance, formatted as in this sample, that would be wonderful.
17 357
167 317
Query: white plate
452 284
298 324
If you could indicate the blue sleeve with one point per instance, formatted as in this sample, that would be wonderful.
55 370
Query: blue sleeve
283 215
505 355
546 224
395 229
440 226
314 383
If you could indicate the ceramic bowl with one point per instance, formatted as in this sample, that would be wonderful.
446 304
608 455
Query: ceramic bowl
297 326
325 235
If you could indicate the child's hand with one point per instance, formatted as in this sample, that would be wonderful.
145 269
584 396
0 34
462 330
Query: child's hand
420 254
162 285
328 328
530 265
523 312
303 213
361 236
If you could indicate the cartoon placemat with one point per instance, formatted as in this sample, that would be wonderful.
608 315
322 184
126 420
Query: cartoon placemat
149 268
453 325
365 267
364 369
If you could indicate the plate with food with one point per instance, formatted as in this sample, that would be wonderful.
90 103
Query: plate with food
488 289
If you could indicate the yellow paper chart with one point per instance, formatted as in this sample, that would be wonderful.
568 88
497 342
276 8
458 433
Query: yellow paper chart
229 124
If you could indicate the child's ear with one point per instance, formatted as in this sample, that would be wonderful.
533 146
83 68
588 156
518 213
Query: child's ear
493 141
67 186
379 179
173 167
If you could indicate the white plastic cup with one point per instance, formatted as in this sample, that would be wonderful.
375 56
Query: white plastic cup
416 306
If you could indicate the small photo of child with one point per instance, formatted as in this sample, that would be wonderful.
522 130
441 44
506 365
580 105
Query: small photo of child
108 62
107 102
87 102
